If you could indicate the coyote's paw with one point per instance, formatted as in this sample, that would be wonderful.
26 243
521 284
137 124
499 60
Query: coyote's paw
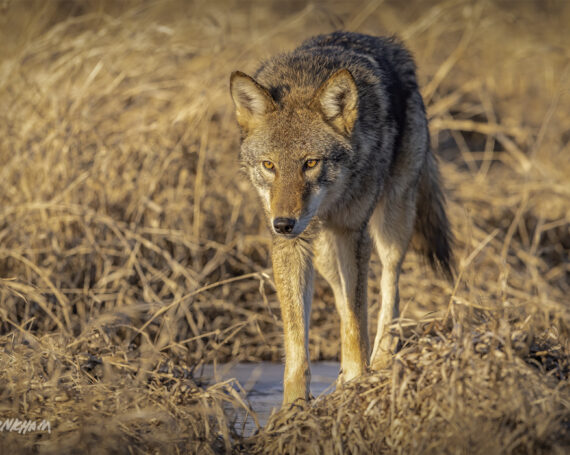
345 376
381 361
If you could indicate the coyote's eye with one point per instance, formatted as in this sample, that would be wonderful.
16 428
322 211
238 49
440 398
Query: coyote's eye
311 163
268 165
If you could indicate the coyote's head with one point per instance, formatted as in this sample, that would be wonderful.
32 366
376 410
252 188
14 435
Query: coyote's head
295 146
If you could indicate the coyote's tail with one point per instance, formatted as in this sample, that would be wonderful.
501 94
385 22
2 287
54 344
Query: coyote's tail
432 233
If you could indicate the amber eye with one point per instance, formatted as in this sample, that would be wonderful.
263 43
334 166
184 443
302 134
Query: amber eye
311 163
268 165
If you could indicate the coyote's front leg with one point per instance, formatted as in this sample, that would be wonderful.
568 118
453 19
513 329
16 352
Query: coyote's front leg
342 257
293 271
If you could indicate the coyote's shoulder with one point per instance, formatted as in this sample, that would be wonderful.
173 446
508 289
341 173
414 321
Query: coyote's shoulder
335 141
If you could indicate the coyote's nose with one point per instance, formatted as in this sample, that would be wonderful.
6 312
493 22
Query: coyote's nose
284 225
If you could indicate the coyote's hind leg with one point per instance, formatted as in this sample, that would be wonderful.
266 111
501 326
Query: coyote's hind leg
391 227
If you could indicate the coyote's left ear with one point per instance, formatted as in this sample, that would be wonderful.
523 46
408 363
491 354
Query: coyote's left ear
337 100
252 100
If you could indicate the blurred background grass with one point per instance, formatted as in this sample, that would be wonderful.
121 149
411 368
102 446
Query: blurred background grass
132 250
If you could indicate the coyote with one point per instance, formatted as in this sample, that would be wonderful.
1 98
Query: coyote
334 137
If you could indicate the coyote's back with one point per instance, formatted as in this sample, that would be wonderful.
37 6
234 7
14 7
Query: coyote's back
335 141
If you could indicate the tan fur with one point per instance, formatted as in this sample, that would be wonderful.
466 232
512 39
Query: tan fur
335 140
342 115
250 93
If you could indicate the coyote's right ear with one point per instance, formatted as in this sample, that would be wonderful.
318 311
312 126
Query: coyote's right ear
252 100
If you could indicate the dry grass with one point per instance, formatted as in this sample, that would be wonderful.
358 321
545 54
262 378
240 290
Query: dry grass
447 392
131 252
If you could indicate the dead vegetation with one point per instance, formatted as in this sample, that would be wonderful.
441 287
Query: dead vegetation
131 252
447 392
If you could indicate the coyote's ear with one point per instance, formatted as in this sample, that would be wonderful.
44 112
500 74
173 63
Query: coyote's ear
337 100
251 99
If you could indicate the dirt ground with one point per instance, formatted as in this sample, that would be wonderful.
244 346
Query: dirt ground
132 250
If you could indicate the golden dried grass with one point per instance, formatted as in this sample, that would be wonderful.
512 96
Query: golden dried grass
131 253
447 392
